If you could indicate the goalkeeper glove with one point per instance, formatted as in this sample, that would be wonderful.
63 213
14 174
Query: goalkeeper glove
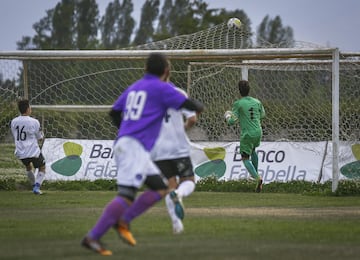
228 115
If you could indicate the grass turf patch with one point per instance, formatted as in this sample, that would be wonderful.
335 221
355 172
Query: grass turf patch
218 225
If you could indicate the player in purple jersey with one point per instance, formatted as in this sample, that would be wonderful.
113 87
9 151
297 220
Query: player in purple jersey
138 113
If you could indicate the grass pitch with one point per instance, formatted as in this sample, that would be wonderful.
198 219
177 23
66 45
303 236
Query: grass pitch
217 226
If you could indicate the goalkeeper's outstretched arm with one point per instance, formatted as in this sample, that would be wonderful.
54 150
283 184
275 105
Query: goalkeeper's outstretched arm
230 118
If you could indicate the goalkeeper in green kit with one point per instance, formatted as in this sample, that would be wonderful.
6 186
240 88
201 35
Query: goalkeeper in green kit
248 113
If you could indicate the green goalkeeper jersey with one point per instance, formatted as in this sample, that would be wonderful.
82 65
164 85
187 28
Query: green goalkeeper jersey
248 111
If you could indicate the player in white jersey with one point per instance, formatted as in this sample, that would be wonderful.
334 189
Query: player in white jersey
173 142
171 154
27 133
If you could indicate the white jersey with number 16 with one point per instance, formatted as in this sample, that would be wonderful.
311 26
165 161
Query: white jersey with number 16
26 132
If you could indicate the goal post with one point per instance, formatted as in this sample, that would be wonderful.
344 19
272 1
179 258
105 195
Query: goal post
335 117
72 91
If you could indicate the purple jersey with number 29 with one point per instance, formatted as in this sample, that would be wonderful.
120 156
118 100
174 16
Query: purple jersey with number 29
144 104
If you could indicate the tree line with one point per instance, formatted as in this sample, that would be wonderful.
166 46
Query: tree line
77 25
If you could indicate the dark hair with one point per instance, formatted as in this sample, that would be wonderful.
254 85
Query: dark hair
156 64
244 88
23 105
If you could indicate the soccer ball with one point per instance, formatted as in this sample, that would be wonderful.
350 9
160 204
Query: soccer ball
234 23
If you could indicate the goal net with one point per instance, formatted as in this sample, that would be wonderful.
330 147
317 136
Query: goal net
310 93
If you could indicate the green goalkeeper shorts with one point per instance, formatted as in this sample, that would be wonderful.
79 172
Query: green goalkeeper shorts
249 143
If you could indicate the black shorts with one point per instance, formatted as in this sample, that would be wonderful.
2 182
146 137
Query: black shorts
36 161
153 182
156 182
181 167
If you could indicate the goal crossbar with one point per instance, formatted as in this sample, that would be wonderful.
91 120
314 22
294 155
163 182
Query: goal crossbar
270 53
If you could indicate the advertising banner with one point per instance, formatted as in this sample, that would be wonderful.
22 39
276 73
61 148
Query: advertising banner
277 161
68 159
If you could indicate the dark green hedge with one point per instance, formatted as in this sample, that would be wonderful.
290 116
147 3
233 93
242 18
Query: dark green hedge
345 188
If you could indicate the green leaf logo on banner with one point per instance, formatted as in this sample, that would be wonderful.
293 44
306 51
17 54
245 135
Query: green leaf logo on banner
71 163
216 166
356 151
352 170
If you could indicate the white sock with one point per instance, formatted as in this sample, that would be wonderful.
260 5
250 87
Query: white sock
40 177
170 208
31 177
185 188
177 224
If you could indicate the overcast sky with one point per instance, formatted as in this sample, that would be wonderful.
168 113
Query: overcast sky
331 23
